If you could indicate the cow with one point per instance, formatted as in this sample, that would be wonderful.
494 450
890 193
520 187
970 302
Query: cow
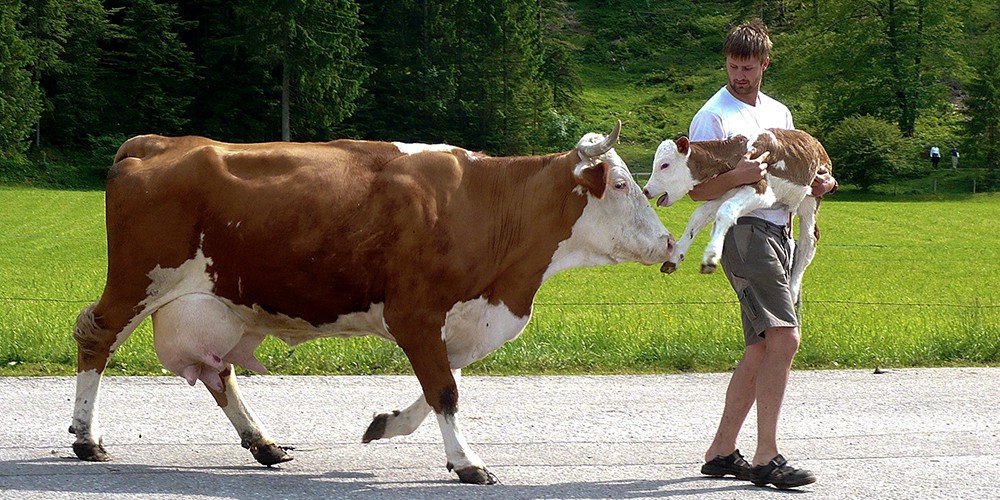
794 158
435 248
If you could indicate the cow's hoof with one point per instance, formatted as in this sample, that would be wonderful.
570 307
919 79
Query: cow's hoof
475 475
91 452
668 267
708 268
270 454
376 429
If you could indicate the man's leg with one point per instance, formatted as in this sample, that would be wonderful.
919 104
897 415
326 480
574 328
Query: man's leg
780 345
739 398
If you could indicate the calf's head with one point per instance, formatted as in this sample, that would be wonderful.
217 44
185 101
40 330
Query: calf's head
671 178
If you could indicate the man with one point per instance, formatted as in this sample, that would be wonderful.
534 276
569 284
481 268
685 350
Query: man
935 156
757 259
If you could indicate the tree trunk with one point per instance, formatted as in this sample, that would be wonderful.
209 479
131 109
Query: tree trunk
286 133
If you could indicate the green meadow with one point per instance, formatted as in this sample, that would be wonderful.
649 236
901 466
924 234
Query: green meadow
897 281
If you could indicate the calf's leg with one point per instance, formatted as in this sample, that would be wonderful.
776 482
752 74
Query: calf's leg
805 244
699 219
742 202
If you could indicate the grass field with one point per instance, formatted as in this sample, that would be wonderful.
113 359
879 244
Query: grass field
897 281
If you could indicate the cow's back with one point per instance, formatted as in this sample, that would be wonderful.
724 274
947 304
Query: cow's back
290 227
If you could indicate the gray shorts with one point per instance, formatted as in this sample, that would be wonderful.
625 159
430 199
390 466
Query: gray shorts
757 259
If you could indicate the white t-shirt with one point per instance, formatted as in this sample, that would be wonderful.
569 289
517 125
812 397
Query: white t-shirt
724 116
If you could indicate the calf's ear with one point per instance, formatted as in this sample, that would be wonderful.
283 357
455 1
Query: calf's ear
595 179
683 145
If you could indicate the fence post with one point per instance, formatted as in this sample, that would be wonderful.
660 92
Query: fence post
973 186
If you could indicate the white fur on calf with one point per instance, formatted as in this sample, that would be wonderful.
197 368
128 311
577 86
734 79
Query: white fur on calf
795 157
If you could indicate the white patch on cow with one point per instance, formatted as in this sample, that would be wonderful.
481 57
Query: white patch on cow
412 148
85 421
294 331
457 449
778 165
475 328
406 421
167 284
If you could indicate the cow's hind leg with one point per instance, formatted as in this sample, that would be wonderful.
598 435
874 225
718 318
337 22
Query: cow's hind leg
98 332
252 434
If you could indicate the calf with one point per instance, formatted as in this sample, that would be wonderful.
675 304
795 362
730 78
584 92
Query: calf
794 158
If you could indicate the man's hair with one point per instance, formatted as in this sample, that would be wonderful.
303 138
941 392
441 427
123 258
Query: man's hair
748 40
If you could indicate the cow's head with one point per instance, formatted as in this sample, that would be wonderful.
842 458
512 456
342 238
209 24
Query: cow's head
617 224
671 178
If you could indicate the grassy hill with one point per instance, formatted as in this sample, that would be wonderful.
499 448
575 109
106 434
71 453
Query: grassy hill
650 64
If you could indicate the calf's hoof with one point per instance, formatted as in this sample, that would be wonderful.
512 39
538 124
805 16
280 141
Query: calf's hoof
708 268
668 267
270 454
91 452
475 475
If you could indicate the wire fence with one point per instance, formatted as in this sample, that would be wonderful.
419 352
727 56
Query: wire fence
633 303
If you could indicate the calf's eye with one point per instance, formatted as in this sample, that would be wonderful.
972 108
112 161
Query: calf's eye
664 166
620 185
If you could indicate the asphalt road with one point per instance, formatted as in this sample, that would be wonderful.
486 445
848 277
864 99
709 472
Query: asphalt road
913 433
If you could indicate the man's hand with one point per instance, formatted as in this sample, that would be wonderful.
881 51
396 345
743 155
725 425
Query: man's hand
823 183
747 171
750 170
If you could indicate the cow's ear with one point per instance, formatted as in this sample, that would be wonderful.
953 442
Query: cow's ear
595 179
683 145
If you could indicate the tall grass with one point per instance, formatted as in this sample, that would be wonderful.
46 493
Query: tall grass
909 281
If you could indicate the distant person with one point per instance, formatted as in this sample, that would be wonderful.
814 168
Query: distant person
954 157
756 257
935 156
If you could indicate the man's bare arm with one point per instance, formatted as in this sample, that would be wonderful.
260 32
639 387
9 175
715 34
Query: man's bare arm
747 171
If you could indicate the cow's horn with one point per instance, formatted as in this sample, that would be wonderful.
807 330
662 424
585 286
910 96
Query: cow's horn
594 150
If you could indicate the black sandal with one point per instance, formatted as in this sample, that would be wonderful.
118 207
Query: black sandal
780 474
732 465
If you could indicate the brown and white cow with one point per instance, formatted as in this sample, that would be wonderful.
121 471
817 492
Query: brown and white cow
793 158
433 247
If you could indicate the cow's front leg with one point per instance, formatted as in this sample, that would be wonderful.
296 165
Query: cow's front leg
699 219
252 434
429 358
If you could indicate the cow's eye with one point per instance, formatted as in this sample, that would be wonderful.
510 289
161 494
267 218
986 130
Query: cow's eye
620 185
664 166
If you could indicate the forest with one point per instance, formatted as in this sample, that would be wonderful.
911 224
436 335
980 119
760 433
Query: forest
878 81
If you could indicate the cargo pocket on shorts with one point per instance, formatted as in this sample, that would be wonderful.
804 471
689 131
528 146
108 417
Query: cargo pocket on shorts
745 295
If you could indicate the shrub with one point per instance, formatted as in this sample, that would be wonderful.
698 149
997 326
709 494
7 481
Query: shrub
866 151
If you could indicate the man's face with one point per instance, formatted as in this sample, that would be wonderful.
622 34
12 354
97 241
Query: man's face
745 75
